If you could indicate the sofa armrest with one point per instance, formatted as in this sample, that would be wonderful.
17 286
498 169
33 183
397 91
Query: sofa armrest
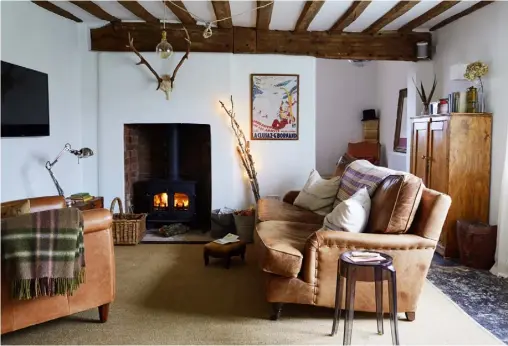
323 248
290 196
96 220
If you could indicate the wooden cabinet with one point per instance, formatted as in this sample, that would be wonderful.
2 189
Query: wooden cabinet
452 155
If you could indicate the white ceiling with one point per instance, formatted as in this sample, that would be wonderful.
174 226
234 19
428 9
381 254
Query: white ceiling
284 16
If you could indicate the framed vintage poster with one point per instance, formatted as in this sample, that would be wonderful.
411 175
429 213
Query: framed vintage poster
274 106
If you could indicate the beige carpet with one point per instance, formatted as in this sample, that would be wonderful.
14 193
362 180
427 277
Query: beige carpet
166 296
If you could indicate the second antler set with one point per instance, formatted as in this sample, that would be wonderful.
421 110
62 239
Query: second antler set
165 82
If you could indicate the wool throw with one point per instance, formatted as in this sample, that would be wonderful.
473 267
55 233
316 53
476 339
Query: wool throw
43 253
360 173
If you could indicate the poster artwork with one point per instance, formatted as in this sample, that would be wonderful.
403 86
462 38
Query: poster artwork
274 111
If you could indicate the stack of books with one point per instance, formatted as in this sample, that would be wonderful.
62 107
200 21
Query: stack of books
81 197
364 256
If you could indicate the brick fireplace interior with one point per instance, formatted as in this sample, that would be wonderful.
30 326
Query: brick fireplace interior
168 173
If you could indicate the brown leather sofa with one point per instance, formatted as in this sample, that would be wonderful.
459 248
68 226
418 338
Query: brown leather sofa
300 259
98 291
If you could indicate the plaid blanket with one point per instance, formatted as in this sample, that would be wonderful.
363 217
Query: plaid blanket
43 253
360 173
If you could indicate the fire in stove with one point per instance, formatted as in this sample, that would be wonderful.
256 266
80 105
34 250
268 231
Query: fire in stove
181 201
160 200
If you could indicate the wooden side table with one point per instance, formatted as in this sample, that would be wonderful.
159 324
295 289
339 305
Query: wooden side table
382 269
94 203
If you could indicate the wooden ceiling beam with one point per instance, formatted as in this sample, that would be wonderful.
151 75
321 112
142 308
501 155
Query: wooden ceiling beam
139 11
333 45
309 12
57 10
432 13
95 10
264 15
352 13
180 11
222 10
398 10
453 18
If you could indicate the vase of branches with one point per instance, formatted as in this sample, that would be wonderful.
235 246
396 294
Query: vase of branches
243 149
423 96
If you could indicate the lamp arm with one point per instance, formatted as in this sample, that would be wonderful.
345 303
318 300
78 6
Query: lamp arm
50 165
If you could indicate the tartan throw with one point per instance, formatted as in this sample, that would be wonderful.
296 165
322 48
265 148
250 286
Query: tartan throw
43 253
360 173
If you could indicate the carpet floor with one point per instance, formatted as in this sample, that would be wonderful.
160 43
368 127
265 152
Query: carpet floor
165 295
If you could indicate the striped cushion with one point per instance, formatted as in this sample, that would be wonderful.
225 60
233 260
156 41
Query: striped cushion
360 173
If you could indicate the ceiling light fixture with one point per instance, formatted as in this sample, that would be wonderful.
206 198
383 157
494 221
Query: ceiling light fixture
164 49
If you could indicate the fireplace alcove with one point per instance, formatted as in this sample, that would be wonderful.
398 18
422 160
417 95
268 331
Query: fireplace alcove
168 173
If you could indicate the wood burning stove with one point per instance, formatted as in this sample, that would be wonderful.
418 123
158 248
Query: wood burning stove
168 200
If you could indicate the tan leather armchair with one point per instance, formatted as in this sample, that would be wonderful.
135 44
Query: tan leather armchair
98 291
300 261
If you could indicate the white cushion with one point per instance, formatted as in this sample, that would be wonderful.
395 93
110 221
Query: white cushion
350 215
318 194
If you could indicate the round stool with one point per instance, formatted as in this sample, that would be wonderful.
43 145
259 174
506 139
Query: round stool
382 269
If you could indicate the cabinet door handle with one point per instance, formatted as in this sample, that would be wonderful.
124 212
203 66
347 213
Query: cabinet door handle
424 157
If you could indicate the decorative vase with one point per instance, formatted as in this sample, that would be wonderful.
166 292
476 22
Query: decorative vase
480 108
425 109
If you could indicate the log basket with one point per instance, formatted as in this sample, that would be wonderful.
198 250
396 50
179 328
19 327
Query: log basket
127 229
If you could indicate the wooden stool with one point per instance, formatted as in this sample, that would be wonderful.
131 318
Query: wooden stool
382 269
224 251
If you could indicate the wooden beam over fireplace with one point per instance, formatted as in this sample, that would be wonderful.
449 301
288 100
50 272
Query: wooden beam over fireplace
381 46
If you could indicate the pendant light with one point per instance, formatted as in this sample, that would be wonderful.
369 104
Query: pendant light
164 49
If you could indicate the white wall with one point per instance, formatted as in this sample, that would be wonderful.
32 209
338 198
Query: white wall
127 95
392 77
483 36
343 91
37 39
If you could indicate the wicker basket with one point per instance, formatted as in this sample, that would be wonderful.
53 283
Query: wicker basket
128 229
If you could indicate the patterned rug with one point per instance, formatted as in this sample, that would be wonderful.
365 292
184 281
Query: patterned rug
480 294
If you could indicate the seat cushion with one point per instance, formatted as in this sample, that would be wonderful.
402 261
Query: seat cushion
275 210
280 246
394 203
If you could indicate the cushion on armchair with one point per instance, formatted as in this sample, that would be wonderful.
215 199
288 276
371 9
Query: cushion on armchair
394 204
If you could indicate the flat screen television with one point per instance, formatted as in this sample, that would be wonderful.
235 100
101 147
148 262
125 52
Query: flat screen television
25 104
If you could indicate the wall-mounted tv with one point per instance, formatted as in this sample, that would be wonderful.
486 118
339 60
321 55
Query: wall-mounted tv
25 104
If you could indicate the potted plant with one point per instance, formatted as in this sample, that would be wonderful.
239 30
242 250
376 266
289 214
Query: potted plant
474 73
426 100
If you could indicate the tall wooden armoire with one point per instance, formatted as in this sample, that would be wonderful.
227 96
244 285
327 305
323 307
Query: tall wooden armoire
451 153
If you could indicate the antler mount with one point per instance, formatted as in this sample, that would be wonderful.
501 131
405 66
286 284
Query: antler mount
166 81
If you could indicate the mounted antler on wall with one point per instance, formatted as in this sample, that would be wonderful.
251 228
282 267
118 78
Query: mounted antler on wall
165 82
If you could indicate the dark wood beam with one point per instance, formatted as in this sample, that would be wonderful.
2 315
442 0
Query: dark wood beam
310 10
354 11
398 10
222 10
382 46
432 13
57 10
179 9
453 18
95 10
264 15
139 11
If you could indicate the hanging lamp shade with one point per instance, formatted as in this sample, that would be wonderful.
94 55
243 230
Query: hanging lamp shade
164 49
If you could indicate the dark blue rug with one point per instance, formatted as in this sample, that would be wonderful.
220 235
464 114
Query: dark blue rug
480 294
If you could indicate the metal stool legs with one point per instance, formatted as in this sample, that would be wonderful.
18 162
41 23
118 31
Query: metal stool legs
350 305
338 297
378 277
392 294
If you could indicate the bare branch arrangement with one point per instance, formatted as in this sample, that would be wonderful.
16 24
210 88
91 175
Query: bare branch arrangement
243 150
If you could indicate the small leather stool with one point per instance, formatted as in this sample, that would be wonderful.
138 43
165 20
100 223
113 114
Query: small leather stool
382 269
224 251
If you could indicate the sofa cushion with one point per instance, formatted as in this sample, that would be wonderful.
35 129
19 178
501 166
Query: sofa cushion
275 210
318 194
281 244
394 203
